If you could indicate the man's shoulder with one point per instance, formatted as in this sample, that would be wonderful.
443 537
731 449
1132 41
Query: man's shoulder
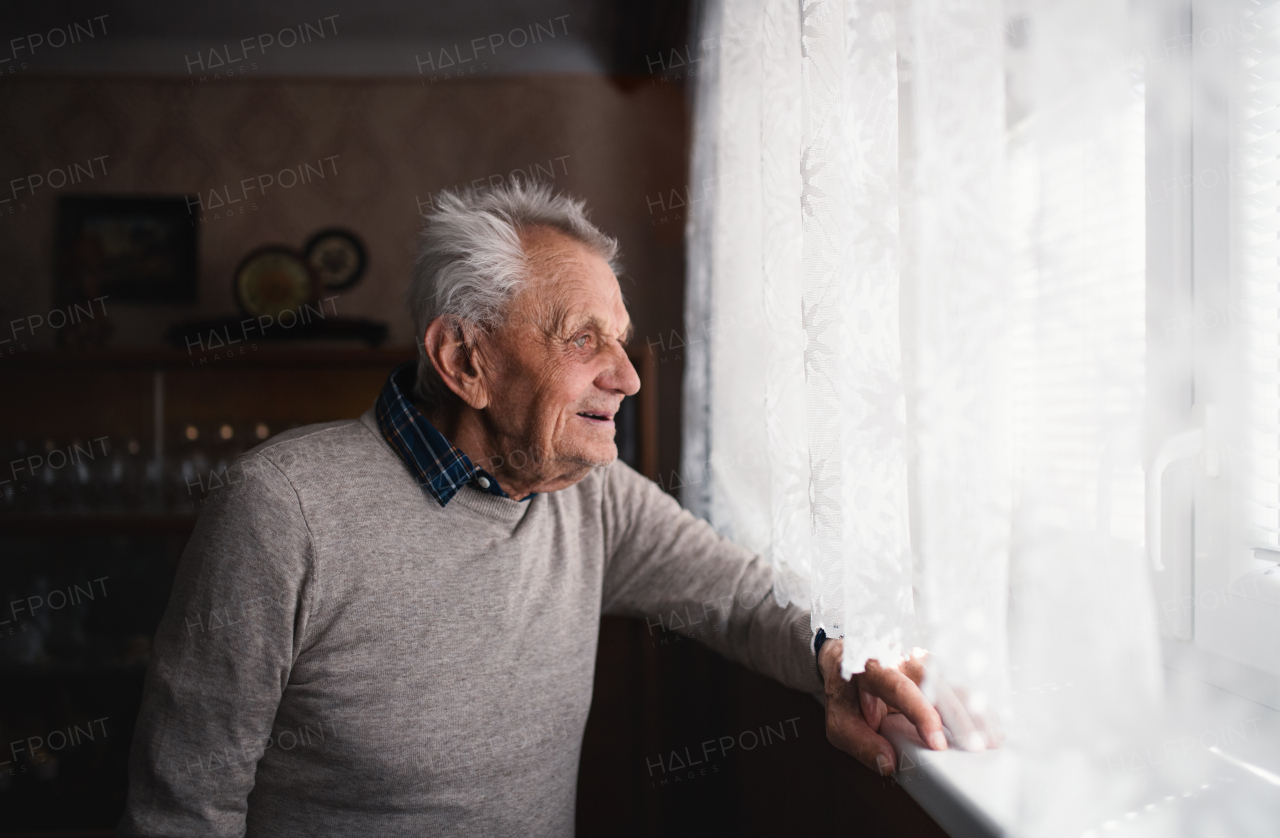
620 485
324 449
307 437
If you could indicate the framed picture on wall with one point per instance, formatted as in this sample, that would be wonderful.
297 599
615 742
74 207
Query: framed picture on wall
131 248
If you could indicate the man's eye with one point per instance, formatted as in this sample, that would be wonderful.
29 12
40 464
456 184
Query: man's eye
580 341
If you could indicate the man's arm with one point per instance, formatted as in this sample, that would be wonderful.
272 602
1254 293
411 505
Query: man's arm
221 658
678 575
673 571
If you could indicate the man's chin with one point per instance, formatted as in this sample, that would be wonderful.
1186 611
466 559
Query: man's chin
602 460
595 456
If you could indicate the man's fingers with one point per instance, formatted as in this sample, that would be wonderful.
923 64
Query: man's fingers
958 721
852 735
986 725
913 668
873 709
901 692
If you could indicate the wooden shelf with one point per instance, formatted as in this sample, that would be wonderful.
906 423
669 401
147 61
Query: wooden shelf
152 359
174 386
64 670
95 523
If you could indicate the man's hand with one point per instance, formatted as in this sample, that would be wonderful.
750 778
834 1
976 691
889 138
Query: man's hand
856 708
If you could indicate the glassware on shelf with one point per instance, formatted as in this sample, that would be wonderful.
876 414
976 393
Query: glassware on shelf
189 469
78 476
26 645
151 481
15 494
102 473
180 468
44 478
229 448
133 467
110 480
120 474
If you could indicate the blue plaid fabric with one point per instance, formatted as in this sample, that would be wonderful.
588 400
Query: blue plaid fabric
438 466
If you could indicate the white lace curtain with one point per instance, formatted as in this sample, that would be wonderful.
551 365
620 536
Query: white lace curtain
916 302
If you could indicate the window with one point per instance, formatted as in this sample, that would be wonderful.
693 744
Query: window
1214 228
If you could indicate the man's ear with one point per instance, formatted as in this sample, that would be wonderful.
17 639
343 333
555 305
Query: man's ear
451 344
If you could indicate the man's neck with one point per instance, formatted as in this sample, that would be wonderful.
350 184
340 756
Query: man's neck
516 469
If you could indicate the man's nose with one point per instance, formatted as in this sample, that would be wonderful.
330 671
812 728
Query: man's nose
621 375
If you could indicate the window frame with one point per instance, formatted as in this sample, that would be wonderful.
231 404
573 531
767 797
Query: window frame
1220 610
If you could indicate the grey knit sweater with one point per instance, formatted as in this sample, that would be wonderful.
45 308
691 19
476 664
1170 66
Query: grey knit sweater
342 656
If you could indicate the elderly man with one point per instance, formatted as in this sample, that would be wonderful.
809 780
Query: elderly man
388 625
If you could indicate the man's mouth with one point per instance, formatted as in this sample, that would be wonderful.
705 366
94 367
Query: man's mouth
601 418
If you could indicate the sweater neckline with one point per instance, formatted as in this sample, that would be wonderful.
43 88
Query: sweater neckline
483 503
492 506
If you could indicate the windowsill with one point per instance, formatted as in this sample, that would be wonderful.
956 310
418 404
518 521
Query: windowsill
1261 584
1190 780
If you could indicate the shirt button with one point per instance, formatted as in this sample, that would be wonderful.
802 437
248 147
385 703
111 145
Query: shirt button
484 482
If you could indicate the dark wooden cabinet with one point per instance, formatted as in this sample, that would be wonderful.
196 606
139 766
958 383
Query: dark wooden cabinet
107 457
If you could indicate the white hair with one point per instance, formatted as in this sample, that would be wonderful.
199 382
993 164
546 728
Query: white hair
472 264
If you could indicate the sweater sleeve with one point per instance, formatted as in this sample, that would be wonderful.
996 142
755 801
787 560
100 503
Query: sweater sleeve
221 658
676 573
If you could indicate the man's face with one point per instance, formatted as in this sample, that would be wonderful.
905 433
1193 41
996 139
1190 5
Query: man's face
560 368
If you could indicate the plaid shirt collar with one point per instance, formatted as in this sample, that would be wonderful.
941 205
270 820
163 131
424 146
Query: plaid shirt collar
439 467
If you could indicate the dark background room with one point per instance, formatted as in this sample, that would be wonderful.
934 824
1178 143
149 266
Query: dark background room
162 185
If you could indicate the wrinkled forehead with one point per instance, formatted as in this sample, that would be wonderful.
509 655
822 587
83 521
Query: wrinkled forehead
567 282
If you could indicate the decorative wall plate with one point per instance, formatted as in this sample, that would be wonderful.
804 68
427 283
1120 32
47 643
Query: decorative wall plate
273 279
337 257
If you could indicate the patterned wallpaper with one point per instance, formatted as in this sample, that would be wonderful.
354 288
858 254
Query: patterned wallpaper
275 159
